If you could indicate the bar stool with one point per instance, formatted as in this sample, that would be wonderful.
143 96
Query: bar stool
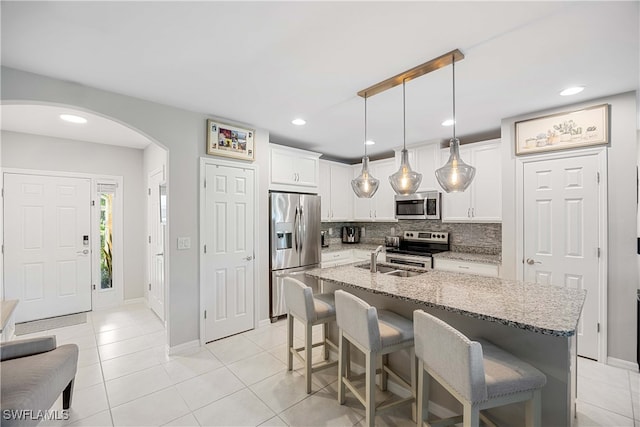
477 373
376 333
310 310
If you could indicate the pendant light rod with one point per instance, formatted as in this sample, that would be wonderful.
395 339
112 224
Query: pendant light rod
453 67
365 126
404 119
427 67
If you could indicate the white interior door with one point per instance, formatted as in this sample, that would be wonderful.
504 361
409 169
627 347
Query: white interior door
229 250
156 244
47 252
561 223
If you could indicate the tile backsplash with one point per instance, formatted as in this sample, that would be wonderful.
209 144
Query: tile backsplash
464 237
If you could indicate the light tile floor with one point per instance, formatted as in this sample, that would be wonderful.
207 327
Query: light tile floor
125 378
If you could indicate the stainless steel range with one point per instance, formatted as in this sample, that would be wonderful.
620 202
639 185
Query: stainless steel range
415 248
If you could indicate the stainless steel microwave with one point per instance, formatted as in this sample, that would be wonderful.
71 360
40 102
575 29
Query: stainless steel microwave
425 205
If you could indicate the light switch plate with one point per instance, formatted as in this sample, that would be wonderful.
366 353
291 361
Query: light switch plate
184 243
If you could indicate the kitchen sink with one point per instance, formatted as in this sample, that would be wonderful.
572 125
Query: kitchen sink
392 271
404 273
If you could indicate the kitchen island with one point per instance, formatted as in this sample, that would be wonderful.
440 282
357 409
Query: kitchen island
535 322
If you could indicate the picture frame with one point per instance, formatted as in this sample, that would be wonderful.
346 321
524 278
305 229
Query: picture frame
563 131
230 141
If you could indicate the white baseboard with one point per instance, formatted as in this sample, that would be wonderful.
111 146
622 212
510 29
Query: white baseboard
137 301
264 322
624 364
183 348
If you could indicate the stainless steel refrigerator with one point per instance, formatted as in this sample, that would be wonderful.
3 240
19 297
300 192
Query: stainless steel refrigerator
294 243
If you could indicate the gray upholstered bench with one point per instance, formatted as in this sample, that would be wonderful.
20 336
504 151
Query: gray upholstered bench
33 373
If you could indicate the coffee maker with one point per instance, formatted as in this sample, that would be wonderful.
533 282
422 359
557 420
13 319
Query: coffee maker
350 234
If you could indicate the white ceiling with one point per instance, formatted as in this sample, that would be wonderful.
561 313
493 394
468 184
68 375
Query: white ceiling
264 63
45 120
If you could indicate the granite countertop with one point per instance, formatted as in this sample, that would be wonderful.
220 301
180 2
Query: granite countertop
334 247
465 256
549 310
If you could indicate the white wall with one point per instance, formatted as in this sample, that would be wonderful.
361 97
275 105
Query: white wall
183 134
26 151
622 211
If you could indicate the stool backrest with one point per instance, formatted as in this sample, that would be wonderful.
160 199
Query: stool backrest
450 355
299 299
358 319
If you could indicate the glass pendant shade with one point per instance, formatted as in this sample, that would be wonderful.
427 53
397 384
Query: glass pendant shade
405 181
365 185
455 175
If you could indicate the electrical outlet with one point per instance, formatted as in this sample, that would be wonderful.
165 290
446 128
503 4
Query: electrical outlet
184 243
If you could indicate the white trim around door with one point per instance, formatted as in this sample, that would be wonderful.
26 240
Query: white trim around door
204 162
601 157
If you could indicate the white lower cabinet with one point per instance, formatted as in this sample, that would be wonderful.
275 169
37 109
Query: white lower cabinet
478 268
348 256
482 201
336 258
382 205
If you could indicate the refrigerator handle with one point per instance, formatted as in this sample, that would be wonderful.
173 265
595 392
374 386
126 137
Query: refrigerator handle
296 229
302 228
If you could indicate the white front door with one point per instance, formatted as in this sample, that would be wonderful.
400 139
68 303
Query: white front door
229 250
47 252
561 233
156 244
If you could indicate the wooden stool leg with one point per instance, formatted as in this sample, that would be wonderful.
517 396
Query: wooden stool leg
370 388
422 398
384 376
471 415
413 361
308 351
325 330
533 410
289 342
342 369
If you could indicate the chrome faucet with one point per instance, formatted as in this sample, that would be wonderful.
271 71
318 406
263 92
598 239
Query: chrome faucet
374 259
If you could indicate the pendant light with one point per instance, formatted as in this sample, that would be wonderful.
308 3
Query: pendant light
455 176
365 185
405 181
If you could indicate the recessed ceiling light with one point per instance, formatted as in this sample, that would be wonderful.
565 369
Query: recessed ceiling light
369 142
572 90
73 118
448 122
299 122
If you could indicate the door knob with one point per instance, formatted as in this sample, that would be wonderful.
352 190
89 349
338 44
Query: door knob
532 261
83 252
249 258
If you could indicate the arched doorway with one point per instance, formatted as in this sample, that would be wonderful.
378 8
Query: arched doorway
115 158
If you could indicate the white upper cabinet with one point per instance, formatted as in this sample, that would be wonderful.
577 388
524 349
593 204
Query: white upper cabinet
482 201
335 191
293 170
424 159
381 206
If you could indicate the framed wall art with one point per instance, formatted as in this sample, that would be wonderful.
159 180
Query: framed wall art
230 141
563 131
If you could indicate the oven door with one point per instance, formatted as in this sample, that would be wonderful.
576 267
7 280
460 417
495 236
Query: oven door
422 262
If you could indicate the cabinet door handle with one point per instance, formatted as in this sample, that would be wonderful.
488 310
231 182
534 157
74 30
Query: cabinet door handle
473 212
469 213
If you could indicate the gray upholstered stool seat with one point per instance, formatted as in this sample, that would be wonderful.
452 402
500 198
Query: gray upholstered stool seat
477 373
376 333
311 310
34 372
